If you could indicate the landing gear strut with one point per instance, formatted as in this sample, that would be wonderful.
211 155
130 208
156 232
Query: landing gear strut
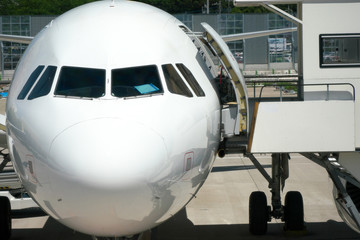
259 213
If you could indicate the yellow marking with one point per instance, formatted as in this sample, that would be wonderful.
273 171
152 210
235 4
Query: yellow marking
253 126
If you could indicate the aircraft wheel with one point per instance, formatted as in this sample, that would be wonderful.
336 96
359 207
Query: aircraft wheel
258 213
294 212
5 218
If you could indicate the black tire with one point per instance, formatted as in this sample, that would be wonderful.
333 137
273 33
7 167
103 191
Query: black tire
294 212
5 218
258 213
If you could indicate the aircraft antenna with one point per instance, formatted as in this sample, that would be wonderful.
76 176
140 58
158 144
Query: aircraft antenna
112 3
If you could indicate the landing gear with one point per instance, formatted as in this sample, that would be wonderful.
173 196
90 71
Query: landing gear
293 211
258 213
5 218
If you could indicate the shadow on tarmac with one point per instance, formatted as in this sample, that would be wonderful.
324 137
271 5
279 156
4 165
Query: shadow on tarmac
181 228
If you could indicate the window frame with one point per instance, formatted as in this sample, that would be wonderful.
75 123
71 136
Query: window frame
160 86
338 64
43 84
187 92
30 82
59 94
190 79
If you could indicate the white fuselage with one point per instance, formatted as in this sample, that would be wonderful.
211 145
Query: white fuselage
110 165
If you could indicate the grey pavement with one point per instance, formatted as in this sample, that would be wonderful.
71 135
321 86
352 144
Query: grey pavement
220 210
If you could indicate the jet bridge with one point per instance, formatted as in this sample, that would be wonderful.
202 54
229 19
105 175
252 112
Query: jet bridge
321 125
308 126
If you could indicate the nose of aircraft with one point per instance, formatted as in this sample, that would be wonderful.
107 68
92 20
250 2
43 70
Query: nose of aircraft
109 151
104 180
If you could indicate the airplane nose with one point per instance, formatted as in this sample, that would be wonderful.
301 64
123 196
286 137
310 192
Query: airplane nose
109 151
104 180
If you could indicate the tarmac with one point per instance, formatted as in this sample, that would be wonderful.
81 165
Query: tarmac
220 210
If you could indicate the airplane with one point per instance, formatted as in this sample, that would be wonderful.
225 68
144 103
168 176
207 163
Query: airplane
107 138
114 119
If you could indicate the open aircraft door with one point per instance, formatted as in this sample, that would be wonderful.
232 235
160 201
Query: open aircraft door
235 114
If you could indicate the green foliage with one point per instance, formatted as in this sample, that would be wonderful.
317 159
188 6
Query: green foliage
38 7
57 7
189 6
249 10
176 6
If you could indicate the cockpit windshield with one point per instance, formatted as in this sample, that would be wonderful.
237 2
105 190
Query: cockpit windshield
81 82
135 81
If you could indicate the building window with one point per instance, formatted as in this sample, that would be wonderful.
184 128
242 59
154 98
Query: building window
281 47
339 50
232 24
186 19
14 25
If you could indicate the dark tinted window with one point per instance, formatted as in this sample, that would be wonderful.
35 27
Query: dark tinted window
340 50
43 86
30 82
81 82
174 82
135 81
189 77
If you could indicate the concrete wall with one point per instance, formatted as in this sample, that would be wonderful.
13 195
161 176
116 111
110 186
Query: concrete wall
39 22
256 50
210 19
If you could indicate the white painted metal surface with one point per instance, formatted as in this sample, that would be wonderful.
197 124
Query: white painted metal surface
340 18
312 126
112 166
242 36
237 79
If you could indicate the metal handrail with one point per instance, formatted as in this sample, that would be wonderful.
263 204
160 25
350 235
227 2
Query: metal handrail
311 84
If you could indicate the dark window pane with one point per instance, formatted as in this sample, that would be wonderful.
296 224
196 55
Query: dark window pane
81 82
174 82
340 50
43 86
135 81
30 82
189 77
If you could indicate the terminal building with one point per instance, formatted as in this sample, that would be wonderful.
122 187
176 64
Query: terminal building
264 53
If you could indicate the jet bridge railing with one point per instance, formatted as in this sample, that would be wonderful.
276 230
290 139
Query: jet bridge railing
290 88
288 85
293 91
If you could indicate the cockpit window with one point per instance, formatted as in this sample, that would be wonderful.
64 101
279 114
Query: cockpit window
81 82
189 77
30 82
174 82
43 86
135 81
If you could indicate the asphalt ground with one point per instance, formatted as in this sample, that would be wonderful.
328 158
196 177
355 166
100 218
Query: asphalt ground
220 210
